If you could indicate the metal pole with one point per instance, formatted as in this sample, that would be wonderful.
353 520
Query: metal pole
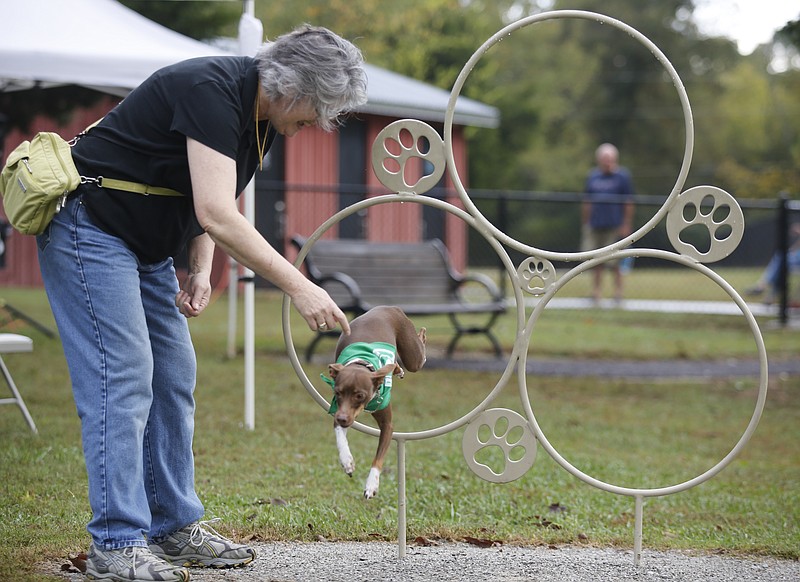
637 531
401 498
248 8
233 299
783 250
502 219
249 350
251 34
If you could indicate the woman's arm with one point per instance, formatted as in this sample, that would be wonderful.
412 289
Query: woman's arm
213 184
195 292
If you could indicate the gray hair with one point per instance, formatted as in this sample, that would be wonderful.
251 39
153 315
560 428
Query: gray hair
312 63
606 149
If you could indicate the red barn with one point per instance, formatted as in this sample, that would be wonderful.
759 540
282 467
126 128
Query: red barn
310 177
306 179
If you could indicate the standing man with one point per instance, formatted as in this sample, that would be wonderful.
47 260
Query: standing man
607 212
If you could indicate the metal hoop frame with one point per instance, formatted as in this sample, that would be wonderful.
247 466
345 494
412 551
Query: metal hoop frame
507 31
762 391
587 260
402 198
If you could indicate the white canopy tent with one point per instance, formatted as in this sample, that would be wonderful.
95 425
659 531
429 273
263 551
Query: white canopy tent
94 43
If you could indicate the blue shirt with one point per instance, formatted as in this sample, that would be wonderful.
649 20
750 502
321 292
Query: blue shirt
607 194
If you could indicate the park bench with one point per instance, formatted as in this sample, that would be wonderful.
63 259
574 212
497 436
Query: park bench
415 276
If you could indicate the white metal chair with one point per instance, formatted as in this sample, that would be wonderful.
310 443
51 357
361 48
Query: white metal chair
15 343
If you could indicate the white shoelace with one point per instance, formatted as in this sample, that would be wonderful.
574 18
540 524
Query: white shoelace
144 555
202 529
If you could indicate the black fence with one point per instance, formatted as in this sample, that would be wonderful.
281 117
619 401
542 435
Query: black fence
552 222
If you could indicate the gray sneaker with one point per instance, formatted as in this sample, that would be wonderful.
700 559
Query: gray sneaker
131 564
198 544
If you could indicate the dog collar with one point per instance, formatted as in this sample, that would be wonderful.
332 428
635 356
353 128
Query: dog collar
369 366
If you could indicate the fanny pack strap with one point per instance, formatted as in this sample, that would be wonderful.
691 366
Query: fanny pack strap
135 187
114 184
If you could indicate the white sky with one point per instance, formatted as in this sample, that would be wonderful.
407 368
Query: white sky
748 22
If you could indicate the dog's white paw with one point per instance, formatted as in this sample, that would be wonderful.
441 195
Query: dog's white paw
373 482
348 463
345 456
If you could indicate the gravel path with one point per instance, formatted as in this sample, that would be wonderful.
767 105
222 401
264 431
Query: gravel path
461 562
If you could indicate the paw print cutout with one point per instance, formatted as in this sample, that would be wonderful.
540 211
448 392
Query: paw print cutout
408 156
536 275
706 223
499 445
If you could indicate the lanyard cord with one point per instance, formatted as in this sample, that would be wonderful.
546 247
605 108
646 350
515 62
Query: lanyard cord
260 145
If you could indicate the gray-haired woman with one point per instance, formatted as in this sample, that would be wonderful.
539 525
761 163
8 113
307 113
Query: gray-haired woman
193 133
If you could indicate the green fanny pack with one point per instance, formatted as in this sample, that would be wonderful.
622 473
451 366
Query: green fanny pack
39 175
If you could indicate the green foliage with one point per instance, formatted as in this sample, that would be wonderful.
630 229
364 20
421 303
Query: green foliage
197 19
791 33
563 87
429 40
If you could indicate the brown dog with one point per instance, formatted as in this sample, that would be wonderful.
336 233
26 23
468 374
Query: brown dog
362 378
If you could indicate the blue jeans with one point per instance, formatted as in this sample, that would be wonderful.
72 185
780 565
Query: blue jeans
133 371
772 271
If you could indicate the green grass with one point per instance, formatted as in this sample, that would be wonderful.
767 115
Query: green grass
282 480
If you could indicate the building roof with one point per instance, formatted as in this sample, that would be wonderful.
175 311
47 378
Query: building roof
396 95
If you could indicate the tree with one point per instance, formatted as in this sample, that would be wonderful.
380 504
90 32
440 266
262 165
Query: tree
790 33
429 40
197 19
575 83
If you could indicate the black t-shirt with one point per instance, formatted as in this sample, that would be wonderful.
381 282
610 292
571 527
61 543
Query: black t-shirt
143 139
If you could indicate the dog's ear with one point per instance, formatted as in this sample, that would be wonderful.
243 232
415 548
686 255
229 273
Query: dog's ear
379 375
334 369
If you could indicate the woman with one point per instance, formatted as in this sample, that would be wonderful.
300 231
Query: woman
196 131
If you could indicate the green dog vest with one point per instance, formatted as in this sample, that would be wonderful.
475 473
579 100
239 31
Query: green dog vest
374 356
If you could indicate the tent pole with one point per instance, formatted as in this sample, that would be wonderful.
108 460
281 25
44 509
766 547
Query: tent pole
251 34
